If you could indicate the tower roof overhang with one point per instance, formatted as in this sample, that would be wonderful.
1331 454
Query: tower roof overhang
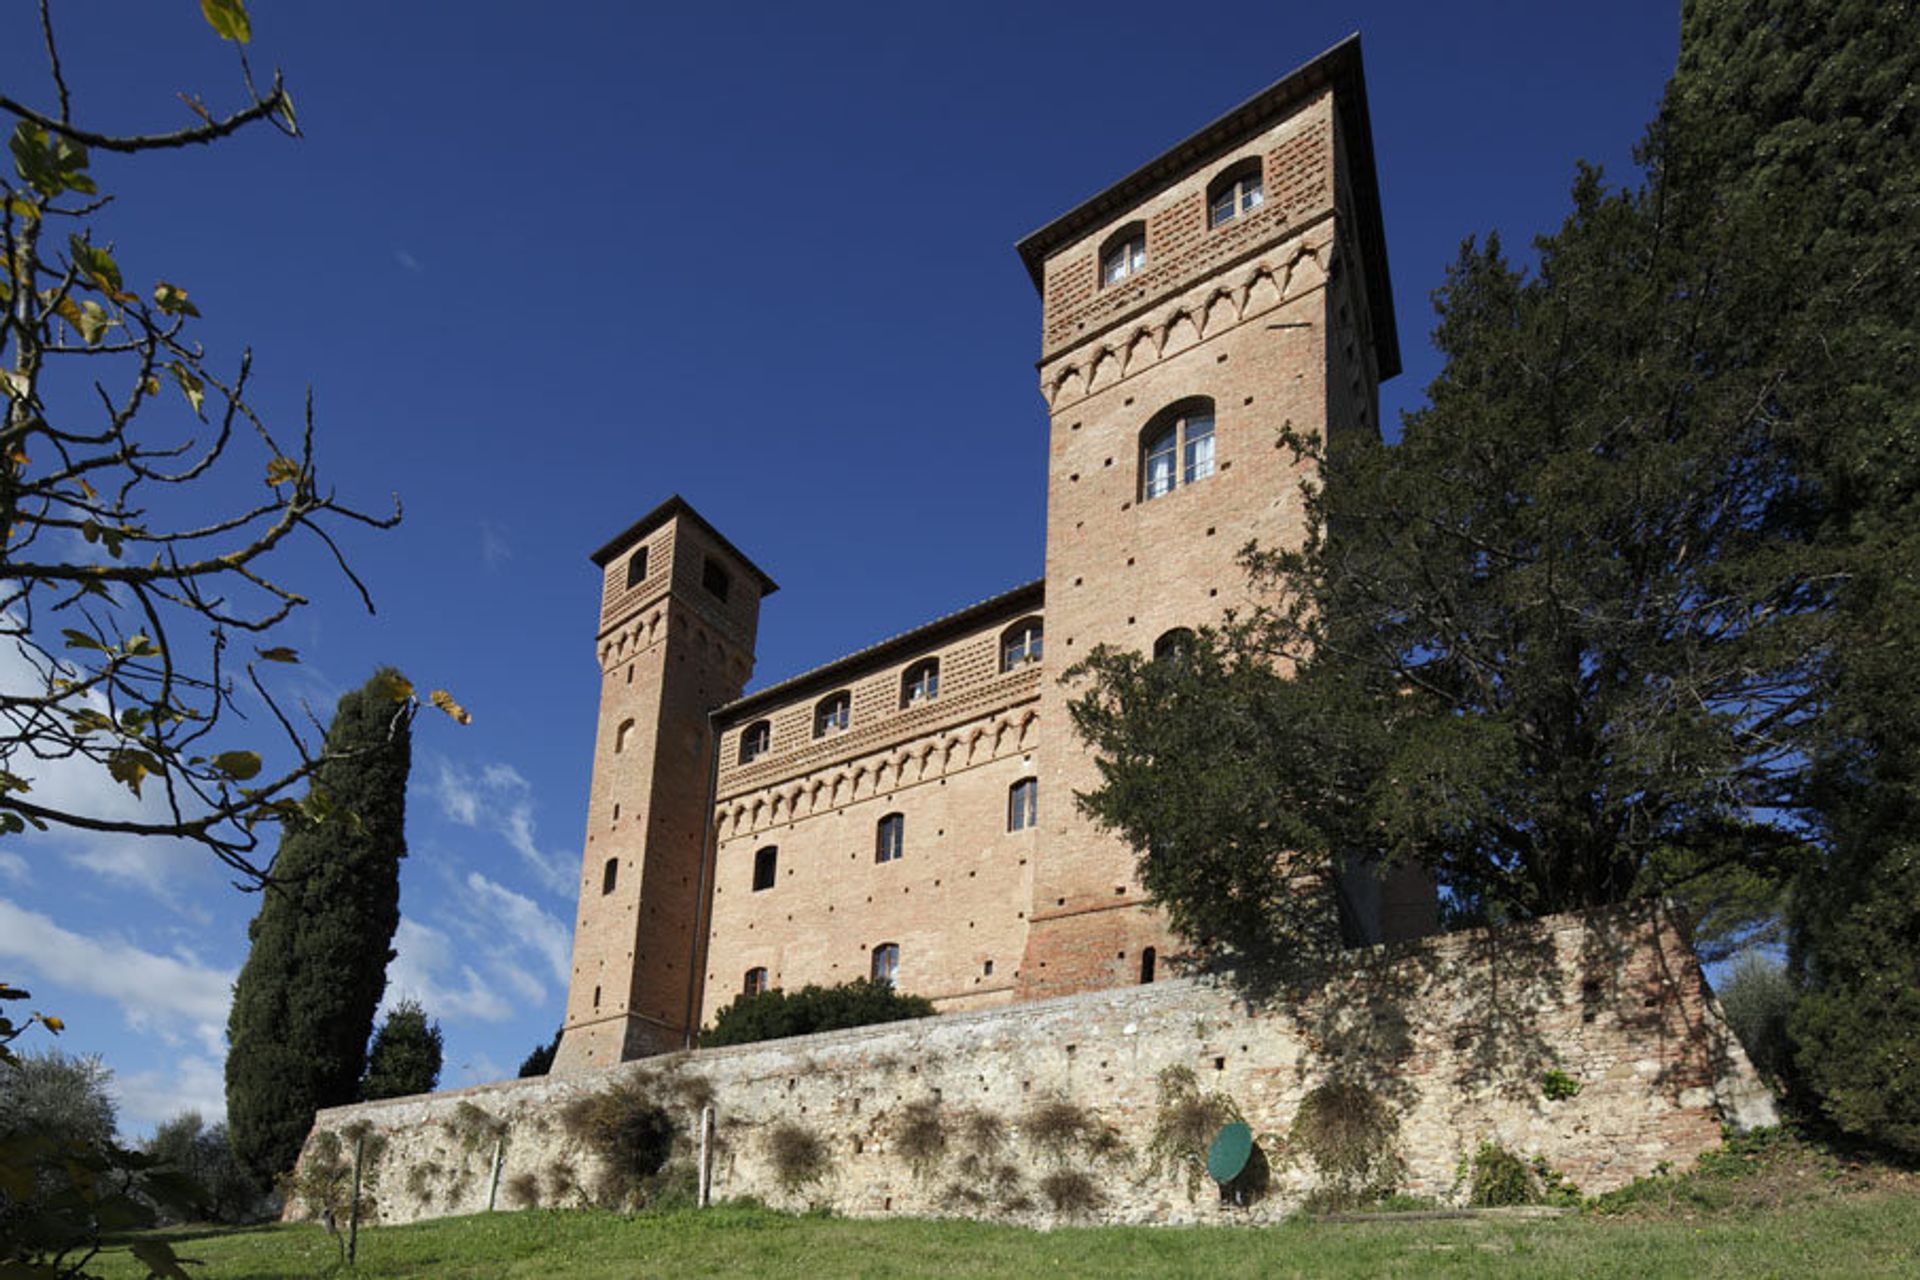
1338 68
672 507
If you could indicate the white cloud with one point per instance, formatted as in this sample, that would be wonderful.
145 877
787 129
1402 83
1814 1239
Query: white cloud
148 1097
421 970
500 800
14 867
174 996
524 923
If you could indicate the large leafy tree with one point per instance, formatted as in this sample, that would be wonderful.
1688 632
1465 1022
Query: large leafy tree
304 1004
1799 124
1611 620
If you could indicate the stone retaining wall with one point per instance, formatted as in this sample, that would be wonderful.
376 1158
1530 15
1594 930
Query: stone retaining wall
1010 1112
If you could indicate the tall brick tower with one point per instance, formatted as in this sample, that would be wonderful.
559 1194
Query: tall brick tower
1234 284
679 607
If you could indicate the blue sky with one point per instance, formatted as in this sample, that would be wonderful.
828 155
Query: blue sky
544 268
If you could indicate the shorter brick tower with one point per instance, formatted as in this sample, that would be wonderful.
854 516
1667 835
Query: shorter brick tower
679 608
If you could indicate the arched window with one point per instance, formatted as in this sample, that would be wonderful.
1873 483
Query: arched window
1124 254
609 875
1147 958
832 714
1173 646
1176 448
620 736
1020 643
890 838
755 982
1236 191
754 741
920 682
886 962
766 866
1023 804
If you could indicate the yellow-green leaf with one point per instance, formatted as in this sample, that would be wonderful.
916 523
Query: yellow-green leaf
228 18
238 765
130 768
444 700
279 653
140 646
80 639
282 470
190 384
172 299
396 686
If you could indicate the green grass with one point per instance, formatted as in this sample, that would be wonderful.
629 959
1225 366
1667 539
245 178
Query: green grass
1871 1233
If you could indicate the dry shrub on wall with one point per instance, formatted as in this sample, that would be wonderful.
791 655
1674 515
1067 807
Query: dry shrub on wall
797 1154
563 1182
983 1131
473 1127
1350 1136
921 1135
632 1136
1061 1127
1070 1191
523 1191
1185 1125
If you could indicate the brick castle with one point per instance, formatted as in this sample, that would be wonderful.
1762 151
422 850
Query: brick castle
906 811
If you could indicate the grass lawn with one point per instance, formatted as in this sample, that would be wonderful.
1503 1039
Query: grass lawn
1870 1234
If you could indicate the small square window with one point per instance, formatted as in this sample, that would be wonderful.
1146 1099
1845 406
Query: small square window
715 578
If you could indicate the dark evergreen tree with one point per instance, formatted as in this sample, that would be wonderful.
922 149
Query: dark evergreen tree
774 1014
405 1055
540 1060
304 1004
1798 121
1630 609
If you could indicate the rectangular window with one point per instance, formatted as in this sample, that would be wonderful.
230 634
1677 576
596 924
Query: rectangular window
890 840
832 714
766 866
1160 456
637 568
754 740
715 579
1199 438
1023 804
886 962
756 982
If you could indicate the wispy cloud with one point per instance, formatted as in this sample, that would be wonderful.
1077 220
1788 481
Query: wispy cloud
424 968
408 261
495 550
168 995
193 1084
14 867
513 918
500 800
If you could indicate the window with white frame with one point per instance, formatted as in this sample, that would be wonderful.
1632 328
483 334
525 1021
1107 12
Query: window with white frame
886 963
890 838
1237 191
832 714
1176 449
1020 643
1023 804
754 741
1124 254
920 682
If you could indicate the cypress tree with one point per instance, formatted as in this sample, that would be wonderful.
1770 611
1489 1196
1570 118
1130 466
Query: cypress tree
405 1055
1802 117
304 1004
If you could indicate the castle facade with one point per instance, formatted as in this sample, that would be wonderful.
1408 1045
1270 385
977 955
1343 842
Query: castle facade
906 812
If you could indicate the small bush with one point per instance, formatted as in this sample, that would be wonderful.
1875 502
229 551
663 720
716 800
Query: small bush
775 1015
797 1154
323 1181
1758 997
420 1180
922 1133
631 1134
563 1182
1070 1191
1349 1135
1558 1086
1498 1177
523 1191
1057 1126
473 1127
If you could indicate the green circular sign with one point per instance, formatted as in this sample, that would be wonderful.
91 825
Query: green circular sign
1228 1156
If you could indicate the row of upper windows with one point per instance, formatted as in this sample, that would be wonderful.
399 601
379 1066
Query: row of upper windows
889 836
884 967
920 682
713 575
1236 190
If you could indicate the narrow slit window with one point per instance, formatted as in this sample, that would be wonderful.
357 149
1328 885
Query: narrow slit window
609 875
